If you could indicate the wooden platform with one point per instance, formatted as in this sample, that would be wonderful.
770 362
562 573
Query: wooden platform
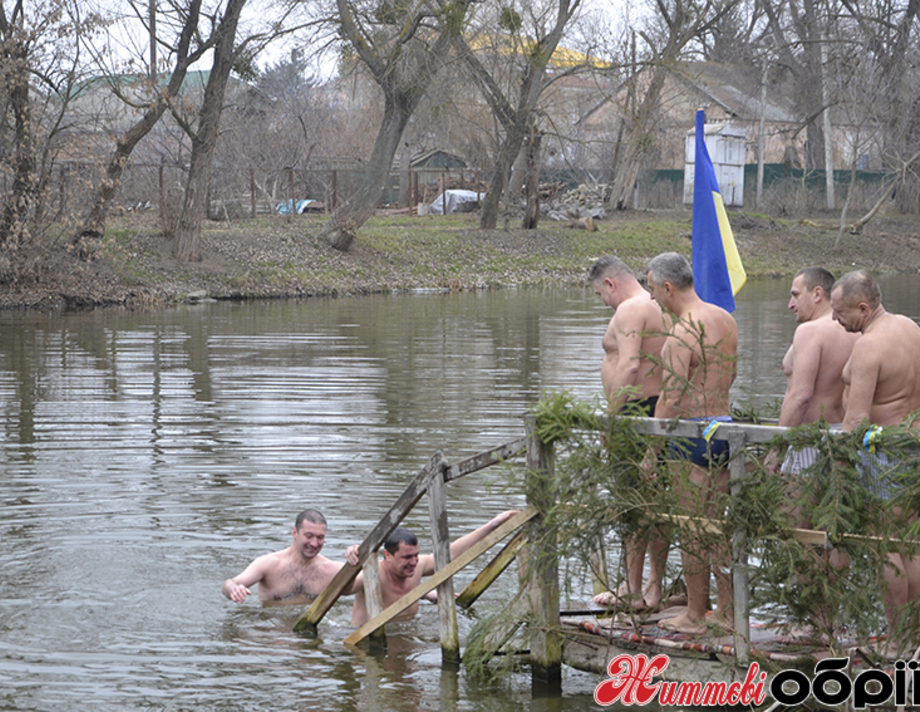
592 641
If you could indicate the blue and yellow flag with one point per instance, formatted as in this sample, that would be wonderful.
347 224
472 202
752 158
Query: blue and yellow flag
717 270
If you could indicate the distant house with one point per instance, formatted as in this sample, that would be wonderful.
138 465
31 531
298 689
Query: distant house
728 94
104 107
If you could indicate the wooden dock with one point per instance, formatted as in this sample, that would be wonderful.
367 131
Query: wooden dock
585 641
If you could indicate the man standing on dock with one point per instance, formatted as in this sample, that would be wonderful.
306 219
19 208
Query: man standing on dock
699 362
632 382
882 376
819 351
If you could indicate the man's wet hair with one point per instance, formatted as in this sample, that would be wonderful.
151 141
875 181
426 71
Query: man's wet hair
859 286
671 267
399 535
817 277
609 266
310 515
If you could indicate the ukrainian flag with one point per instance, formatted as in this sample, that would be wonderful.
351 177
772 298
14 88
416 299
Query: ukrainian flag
717 270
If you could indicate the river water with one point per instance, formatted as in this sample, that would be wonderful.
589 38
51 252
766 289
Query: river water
146 457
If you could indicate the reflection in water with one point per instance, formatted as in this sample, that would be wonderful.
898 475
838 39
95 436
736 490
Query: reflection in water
146 457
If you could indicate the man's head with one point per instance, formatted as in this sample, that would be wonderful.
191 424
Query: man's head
668 273
606 275
309 533
400 553
810 294
854 299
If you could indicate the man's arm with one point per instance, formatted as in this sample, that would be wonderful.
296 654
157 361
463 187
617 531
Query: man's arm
426 563
801 386
237 588
626 328
864 370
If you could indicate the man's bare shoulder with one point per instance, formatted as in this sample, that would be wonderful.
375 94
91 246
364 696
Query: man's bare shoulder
639 312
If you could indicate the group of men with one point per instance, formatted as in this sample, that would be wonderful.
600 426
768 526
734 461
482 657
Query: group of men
669 354
850 361
299 572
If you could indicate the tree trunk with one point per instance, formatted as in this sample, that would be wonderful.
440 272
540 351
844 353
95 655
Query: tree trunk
204 140
19 200
93 224
638 140
491 203
532 211
340 230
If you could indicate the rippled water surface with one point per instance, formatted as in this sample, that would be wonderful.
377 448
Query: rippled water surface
146 457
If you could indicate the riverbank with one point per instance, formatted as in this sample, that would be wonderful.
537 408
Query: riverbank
279 257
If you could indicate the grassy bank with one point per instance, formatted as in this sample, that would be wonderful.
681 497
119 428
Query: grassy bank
277 256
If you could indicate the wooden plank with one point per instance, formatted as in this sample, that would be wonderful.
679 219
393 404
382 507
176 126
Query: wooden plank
694 429
471 554
492 571
346 575
440 536
373 596
485 459
741 592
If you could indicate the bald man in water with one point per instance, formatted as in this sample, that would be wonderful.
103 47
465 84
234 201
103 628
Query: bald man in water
882 376
297 574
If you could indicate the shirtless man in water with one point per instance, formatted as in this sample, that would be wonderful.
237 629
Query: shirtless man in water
699 364
296 574
883 381
401 568
632 382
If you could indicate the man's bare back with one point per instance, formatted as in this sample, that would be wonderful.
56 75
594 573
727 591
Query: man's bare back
699 359
883 372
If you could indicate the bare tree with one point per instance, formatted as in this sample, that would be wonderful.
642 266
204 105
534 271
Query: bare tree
403 47
532 49
183 55
39 68
680 22
204 135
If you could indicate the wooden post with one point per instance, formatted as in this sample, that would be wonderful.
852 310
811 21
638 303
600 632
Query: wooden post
443 195
740 585
335 188
291 183
161 189
440 536
252 193
373 598
541 566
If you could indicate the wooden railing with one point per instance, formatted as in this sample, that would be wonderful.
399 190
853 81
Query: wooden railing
538 599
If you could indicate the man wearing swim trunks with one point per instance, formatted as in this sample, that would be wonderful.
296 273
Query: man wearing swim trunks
630 375
820 349
882 377
698 359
